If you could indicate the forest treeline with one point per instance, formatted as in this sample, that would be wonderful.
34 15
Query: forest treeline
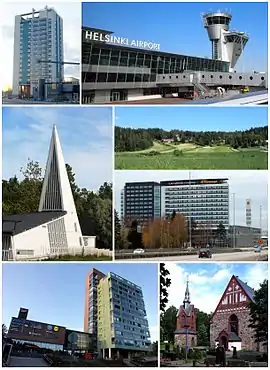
94 208
128 139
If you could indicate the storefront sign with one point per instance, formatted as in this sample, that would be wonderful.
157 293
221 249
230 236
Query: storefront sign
96 36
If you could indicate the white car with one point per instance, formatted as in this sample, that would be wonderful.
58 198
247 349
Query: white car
138 251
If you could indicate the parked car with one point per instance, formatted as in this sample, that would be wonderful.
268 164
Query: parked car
138 251
205 253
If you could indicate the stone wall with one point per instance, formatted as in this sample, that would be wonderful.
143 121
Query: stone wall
180 340
221 322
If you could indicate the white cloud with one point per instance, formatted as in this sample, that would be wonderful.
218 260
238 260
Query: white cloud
86 140
255 275
245 184
154 331
208 284
204 299
71 15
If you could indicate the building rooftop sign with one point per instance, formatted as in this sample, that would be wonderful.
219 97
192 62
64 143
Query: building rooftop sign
193 182
110 39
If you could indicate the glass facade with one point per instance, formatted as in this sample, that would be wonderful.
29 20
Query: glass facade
141 201
207 204
149 63
129 324
79 341
110 72
52 346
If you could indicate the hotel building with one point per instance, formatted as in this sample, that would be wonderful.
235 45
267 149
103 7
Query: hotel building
205 201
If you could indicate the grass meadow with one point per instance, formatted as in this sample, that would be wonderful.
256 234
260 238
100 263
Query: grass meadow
191 156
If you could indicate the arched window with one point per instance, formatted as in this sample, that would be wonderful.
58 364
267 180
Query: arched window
233 324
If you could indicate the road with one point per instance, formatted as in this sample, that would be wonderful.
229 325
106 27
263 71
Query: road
235 256
27 362
16 101
156 101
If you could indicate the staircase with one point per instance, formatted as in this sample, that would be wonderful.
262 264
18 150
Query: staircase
202 91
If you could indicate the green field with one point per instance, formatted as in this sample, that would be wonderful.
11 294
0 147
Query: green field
192 157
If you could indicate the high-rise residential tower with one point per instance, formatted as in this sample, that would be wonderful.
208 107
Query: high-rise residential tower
38 50
115 312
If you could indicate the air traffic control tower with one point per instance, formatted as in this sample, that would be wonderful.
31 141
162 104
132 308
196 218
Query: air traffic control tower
226 45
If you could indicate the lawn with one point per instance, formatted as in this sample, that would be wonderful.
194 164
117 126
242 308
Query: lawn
191 156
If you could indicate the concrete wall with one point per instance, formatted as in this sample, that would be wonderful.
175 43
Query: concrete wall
215 78
137 94
104 318
35 241
180 340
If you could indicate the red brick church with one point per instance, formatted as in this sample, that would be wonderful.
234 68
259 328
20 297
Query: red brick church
230 320
185 334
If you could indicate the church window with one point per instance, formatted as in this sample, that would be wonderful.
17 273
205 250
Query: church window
183 321
233 324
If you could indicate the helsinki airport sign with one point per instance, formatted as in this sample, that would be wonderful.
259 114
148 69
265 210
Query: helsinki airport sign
96 36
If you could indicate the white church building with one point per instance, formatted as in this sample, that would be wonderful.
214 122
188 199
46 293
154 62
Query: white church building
53 230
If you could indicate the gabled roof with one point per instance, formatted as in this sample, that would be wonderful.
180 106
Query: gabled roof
187 310
232 337
16 224
247 289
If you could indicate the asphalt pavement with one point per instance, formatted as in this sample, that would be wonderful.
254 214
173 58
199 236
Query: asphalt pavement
27 362
16 101
235 256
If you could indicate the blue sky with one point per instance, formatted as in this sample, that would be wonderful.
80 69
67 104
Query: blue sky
85 134
207 281
178 27
54 293
193 119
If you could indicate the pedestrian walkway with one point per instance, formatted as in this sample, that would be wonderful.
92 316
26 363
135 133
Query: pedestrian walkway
27 362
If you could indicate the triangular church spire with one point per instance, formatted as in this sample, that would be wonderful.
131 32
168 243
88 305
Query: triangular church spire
56 192
187 296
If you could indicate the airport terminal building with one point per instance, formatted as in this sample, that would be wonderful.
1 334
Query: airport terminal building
118 69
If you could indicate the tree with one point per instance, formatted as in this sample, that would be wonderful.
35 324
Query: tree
221 232
32 171
259 313
117 232
203 328
94 209
105 191
154 350
165 282
173 215
4 331
168 324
